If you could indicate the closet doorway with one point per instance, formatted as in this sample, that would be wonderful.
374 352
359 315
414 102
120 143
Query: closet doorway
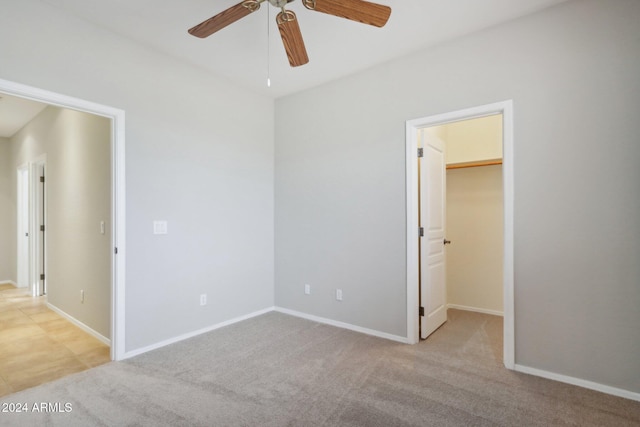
460 200
481 217
474 206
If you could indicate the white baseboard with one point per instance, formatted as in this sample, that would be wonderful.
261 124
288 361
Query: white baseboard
81 325
188 335
476 309
519 368
579 382
343 325
183 337
9 282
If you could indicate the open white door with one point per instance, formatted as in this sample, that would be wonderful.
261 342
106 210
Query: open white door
23 227
433 292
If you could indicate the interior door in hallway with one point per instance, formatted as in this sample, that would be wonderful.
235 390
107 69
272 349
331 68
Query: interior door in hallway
433 290
23 227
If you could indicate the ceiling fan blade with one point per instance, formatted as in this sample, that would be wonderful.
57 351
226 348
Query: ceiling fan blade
355 10
292 38
224 18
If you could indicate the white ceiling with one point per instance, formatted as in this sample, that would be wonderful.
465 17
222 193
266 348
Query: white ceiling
336 47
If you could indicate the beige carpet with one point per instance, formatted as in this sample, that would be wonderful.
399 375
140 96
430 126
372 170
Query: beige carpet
277 370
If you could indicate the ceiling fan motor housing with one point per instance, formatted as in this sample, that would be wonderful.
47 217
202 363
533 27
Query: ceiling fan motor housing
279 3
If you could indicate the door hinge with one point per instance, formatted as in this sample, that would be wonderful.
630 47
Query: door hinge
42 179
421 231
42 277
115 250
421 311
420 152
42 228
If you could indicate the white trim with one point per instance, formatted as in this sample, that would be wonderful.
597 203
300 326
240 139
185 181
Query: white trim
37 243
118 198
476 309
9 282
342 325
579 382
508 173
80 325
413 222
412 128
118 240
188 335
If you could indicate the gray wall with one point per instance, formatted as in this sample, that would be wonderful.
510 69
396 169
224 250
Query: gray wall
7 215
78 189
199 154
572 72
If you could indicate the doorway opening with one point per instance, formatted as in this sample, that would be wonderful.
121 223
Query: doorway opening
116 196
415 175
31 226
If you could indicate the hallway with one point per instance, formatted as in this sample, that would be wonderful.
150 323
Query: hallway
37 345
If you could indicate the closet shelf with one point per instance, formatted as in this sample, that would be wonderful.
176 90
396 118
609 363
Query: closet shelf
489 162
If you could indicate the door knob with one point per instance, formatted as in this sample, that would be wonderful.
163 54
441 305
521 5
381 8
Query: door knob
447 242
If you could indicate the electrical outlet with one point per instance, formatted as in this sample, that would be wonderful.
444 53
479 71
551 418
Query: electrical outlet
82 295
339 294
160 227
203 299
307 289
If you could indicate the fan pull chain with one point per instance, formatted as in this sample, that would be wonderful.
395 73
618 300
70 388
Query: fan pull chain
268 48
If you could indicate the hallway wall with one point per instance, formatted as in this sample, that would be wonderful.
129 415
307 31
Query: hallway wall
78 191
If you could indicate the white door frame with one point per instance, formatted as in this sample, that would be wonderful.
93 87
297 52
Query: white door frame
38 205
412 128
117 117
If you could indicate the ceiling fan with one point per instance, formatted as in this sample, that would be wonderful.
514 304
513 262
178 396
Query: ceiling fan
355 10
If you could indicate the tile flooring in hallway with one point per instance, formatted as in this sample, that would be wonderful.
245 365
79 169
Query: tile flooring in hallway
37 345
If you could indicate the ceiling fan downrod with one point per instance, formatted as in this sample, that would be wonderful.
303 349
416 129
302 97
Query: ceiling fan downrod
279 3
